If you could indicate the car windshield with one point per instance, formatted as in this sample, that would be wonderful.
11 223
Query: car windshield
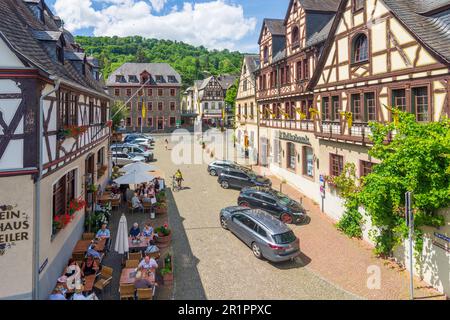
284 238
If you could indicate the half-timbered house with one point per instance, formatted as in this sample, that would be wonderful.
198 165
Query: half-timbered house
43 73
246 110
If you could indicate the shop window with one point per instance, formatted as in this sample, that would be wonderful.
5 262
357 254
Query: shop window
291 156
308 162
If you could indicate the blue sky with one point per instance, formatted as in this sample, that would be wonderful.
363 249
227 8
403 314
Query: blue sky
216 24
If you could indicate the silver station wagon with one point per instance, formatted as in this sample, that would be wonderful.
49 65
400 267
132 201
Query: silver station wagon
267 236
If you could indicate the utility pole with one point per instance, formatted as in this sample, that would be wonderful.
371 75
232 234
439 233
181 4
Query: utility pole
410 223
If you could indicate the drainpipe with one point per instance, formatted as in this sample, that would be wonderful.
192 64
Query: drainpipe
37 206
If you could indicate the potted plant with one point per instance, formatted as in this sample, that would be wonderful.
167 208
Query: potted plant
161 207
161 197
164 236
167 271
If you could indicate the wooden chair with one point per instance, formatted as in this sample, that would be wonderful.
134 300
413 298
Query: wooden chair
131 263
115 203
127 291
147 206
135 256
130 206
88 236
104 278
146 294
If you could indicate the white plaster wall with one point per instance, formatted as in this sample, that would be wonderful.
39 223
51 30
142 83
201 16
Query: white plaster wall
7 58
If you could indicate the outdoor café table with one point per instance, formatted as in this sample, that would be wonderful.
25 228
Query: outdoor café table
145 242
88 286
127 276
83 245
107 197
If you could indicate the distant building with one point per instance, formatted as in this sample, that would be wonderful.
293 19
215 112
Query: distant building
158 88
41 63
208 97
188 110
246 116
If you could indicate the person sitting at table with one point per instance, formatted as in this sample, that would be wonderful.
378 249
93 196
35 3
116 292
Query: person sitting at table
57 294
142 283
135 231
148 231
78 295
148 263
136 203
104 233
71 268
89 267
91 252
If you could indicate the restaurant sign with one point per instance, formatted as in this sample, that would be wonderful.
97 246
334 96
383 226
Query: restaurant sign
14 227
294 138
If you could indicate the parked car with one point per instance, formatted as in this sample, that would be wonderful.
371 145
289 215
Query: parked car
121 159
144 142
267 236
133 149
215 168
277 204
241 178
133 136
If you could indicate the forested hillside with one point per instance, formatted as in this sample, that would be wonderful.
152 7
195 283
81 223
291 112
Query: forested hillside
190 61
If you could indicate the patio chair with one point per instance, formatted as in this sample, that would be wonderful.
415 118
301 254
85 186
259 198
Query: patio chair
147 206
130 206
88 236
146 294
131 263
135 256
104 279
126 291
115 203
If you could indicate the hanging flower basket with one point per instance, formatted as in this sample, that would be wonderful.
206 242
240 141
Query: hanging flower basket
73 131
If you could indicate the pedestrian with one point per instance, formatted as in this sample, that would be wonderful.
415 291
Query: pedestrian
167 144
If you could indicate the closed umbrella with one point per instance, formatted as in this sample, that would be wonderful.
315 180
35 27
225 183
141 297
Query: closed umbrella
138 167
121 246
135 178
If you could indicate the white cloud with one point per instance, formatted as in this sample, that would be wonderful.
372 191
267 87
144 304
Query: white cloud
215 24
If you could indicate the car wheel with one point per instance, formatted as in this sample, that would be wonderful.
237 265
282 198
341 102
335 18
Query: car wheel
244 204
286 218
257 250
223 223
213 172
225 184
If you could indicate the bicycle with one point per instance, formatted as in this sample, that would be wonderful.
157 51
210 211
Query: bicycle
176 186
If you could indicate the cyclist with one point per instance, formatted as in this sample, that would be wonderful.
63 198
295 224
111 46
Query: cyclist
179 178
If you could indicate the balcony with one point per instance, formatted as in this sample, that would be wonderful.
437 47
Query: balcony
299 125
338 131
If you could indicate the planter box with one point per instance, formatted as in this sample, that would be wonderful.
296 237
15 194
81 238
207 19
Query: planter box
168 278
164 242
161 211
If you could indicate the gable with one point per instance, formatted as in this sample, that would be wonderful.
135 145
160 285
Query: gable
7 57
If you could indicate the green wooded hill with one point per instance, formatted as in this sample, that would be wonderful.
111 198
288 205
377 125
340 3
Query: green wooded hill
191 62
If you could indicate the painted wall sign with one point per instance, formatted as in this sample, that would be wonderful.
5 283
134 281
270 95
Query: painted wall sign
14 227
294 138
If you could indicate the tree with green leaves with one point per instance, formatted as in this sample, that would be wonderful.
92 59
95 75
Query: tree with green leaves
119 112
413 157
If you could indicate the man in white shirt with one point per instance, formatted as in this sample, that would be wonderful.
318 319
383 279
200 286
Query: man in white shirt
148 263
136 203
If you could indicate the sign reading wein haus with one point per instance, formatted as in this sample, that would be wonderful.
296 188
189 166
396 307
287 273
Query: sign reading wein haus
14 227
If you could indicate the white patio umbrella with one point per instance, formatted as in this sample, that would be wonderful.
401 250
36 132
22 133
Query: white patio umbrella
138 167
135 178
121 246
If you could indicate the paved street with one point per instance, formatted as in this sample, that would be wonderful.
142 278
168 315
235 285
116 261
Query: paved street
211 263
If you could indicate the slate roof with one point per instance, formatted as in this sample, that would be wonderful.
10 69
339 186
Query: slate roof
276 27
154 69
320 36
21 30
252 62
434 30
226 81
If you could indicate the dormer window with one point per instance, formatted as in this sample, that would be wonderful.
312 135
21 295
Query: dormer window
159 79
295 37
60 54
132 78
120 78
358 5
360 48
172 79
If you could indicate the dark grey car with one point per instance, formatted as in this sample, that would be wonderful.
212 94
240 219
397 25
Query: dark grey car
215 168
241 178
267 236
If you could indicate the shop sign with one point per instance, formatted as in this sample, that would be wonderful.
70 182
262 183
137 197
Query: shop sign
294 138
14 227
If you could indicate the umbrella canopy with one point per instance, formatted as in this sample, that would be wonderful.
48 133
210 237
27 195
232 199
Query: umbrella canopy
135 178
138 167
122 236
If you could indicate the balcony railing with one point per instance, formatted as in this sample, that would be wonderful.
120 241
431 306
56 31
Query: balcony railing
338 130
301 125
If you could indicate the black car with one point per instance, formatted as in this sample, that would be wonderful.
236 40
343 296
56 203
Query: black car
273 202
241 178
215 168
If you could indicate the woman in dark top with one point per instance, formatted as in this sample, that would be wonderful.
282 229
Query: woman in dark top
135 231
89 267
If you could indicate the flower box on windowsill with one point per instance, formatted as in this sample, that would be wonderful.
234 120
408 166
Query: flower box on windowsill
71 132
